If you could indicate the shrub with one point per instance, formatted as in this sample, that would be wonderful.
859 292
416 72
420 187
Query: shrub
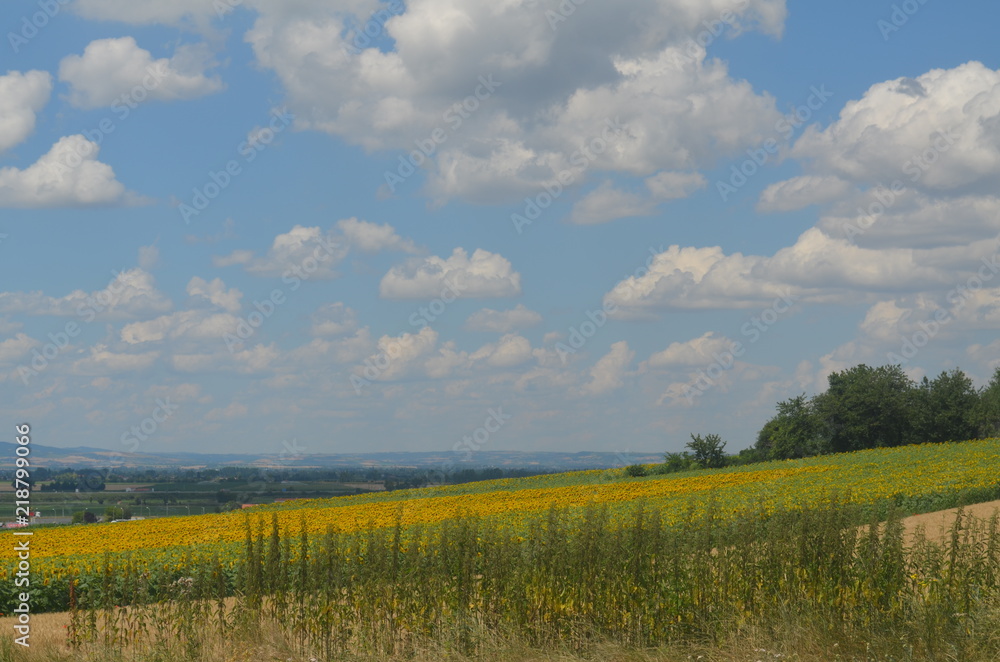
84 517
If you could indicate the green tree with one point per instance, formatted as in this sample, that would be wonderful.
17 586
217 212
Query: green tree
709 451
84 517
674 462
944 409
866 407
986 416
793 433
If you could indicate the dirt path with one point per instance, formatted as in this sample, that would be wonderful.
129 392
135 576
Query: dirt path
936 524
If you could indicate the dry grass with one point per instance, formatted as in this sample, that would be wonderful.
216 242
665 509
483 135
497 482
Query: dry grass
798 645
790 639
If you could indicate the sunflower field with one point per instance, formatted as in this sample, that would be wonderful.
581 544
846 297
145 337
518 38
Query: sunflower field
914 478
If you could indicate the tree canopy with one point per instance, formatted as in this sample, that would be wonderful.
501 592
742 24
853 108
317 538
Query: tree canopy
866 407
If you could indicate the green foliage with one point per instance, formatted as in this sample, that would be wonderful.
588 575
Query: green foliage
708 451
793 433
574 579
944 409
84 517
986 416
674 462
71 481
866 407
636 471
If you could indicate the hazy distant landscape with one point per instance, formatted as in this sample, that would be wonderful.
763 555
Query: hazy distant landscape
96 458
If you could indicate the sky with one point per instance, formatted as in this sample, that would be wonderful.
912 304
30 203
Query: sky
358 226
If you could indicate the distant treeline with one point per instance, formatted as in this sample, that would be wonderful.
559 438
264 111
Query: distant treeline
394 478
863 407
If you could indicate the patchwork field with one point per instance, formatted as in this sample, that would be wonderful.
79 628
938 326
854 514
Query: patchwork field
810 553
918 478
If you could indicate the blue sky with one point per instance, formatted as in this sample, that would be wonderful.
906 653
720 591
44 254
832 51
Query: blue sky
658 292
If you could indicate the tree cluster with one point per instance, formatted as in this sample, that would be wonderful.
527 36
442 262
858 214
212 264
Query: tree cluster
865 407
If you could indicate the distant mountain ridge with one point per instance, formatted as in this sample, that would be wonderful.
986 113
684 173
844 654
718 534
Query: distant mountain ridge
89 457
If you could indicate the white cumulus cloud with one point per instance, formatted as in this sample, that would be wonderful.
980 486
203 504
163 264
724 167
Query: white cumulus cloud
609 372
22 96
69 175
118 69
481 275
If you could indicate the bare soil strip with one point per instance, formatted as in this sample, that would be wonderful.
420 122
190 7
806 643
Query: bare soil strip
937 524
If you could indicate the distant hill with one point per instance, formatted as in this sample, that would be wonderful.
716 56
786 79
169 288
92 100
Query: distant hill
88 457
